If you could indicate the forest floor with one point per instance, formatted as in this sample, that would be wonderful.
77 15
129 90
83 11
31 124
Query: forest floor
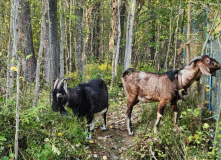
113 144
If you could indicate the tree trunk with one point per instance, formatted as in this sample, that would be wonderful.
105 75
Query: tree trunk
97 31
15 5
152 32
102 32
70 37
129 33
53 39
17 110
123 15
188 33
113 37
156 55
170 37
118 38
62 40
12 46
117 43
177 27
26 41
43 29
46 44
92 34
79 41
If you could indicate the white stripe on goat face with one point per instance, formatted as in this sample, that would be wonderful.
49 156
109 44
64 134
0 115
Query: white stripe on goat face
58 95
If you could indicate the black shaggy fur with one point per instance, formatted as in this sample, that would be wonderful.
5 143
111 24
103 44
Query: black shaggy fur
85 100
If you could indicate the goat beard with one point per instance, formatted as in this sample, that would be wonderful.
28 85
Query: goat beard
213 72
64 112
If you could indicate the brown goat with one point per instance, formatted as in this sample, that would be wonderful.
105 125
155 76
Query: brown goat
164 88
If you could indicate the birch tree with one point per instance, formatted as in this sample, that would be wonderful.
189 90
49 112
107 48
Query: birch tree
188 33
129 32
116 35
170 37
70 36
11 50
113 37
62 40
46 47
177 27
15 22
43 29
17 110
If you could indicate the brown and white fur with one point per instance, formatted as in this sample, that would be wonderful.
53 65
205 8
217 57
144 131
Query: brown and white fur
164 88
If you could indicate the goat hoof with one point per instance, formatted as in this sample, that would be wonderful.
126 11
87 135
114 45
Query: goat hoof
88 137
131 134
104 130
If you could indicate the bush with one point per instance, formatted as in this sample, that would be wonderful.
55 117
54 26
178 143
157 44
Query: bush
43 134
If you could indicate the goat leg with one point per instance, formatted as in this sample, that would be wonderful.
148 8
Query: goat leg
90 125
159 115
174 108
128 117
105 122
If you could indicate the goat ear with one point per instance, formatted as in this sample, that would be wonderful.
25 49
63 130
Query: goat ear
204 69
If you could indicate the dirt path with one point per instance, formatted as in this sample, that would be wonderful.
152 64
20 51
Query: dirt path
113 143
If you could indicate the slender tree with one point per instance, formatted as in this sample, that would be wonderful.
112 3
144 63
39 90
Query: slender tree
43 29
122 22
188 33
62 40
11 51
170 37
115 37
102 32
176 32
46 47
15 21
118 38
129 32
70 35
17 109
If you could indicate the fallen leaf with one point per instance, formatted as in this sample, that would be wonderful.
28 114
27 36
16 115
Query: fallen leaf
91 141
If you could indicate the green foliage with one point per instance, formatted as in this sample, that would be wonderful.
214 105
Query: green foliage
43 134
192 139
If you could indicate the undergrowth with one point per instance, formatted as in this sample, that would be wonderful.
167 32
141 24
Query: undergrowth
44 134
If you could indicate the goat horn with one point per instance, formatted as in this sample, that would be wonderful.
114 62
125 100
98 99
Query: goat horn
60 83
56 83
197 58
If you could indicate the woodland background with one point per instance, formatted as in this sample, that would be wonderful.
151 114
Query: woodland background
87 39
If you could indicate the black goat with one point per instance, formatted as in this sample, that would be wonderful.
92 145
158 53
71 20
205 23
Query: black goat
85 100
164 88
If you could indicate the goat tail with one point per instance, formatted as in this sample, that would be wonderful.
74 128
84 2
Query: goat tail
127 71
